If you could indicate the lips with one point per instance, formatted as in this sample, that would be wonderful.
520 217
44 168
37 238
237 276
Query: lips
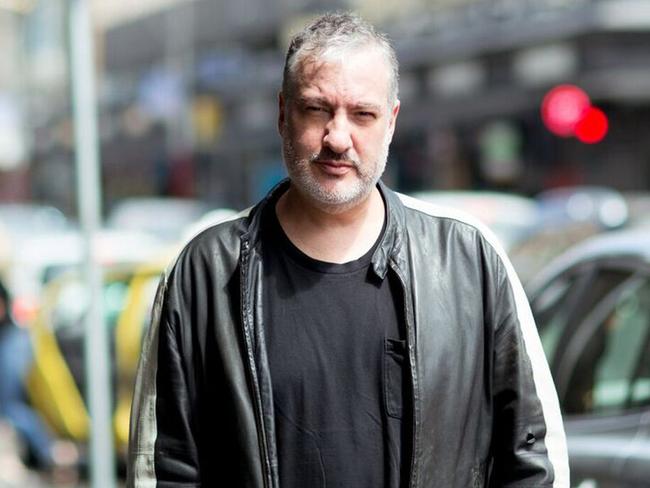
334 168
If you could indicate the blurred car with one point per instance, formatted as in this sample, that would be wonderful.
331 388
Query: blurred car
603 207
165 218
27 219
567 216
510 217
33 262
592 307
57 384
20 223
638 204
533 253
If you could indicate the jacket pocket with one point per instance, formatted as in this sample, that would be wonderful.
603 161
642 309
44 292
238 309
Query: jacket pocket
394 361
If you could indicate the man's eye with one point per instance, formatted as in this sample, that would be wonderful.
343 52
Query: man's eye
366 115
311 108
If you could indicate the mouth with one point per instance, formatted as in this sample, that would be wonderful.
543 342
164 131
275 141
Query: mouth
334 168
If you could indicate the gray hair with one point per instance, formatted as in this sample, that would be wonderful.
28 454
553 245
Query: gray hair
331 34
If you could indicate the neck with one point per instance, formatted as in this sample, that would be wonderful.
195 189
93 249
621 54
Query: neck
335 237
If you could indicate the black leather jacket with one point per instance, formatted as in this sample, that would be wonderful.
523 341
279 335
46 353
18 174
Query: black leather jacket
484 413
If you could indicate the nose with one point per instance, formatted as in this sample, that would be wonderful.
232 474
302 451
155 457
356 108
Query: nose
337 135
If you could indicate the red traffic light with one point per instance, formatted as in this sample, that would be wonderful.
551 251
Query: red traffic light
567 112
593 126
563 107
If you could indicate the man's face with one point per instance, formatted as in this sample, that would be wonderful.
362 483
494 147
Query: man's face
336 127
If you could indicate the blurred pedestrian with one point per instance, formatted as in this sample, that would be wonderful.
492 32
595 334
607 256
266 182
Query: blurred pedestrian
15 360
339 334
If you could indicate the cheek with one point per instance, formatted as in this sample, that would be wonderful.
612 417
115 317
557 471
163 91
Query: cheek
371 142
309 138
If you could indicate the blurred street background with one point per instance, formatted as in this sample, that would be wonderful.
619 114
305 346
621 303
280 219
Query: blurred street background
533 115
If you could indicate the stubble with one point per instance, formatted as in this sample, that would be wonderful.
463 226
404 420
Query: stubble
305 179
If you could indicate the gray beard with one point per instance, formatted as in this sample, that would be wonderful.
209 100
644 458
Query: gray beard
332 201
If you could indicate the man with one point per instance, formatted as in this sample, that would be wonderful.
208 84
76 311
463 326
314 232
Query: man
338 334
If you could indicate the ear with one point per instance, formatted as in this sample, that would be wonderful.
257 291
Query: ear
393 118
281 113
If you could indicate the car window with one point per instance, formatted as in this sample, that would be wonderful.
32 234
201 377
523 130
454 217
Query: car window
641 385
565 302
551 312
611 371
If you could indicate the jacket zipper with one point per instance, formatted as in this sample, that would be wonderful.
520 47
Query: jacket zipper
252 369
410 343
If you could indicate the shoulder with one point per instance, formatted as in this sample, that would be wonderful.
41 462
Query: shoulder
454 224
211 247
224 232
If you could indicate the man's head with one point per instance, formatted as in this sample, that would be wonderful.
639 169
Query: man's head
333 36
337 110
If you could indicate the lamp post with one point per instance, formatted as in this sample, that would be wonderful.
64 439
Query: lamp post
97 358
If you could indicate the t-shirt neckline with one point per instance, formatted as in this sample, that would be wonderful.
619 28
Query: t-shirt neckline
317 265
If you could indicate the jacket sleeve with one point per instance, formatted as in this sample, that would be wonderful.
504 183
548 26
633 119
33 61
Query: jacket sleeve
162 448
529 445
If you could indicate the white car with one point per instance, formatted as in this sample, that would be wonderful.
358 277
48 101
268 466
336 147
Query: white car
164 217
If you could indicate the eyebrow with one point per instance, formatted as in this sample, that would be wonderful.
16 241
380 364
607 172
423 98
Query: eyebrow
322 101
308 100
367 106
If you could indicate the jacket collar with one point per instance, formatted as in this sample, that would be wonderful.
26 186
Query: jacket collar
391 241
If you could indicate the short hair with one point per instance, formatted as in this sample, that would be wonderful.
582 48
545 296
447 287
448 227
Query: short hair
332 33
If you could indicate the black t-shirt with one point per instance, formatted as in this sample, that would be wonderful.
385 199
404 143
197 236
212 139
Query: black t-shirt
337 357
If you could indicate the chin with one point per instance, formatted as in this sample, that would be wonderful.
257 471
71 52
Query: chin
334 200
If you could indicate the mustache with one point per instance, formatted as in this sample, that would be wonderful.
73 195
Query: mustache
328 155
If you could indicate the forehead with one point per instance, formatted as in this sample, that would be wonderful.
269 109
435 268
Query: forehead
363 73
